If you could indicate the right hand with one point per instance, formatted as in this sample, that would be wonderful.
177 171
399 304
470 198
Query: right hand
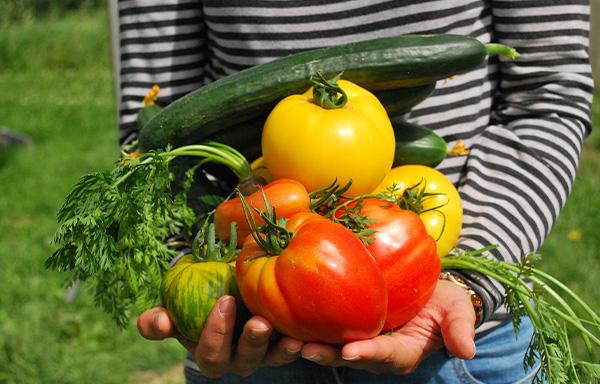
215 352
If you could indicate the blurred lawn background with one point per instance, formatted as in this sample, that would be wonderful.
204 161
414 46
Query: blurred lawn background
56 87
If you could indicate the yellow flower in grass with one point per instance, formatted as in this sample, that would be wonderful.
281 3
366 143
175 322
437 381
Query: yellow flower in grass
574 235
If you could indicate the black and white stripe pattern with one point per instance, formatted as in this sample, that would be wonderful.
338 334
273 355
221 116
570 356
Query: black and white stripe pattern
523 120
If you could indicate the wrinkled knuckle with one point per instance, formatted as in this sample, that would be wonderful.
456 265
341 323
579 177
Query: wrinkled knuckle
210 362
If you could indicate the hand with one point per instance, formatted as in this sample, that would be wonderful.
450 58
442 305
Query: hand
447 320
215 353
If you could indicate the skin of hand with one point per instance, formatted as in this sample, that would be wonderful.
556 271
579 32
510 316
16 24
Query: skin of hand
447 320
216 352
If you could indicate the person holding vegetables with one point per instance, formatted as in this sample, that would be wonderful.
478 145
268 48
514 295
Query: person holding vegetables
523 122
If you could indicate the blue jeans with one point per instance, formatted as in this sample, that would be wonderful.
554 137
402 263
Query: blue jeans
499 360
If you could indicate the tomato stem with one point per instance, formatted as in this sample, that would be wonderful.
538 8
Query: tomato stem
327 93
325 199
501 49
206 247
272 236
413 198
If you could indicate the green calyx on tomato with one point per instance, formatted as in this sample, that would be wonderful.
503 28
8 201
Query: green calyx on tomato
272 236
286 196
191 287
327 93
415 198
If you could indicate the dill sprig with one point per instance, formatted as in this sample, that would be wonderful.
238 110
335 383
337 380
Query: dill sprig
536 294
113 225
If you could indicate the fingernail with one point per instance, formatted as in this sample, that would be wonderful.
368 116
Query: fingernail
258 331
260 327
474 350
292 351
349 354
225 305
158 320
316 358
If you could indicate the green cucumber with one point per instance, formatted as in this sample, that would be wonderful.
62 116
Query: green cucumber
416 144
401 100
385 63
146 114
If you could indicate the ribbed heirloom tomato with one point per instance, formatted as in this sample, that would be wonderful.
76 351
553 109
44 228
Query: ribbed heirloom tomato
316 143
323 286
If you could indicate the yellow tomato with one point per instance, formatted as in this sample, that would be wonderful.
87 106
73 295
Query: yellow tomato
306 142
441 212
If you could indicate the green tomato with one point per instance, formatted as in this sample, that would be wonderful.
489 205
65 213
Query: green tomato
190 289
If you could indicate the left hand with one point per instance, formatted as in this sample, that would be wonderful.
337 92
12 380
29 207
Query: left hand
447 320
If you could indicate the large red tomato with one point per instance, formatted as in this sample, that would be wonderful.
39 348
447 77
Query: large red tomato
324 286
406 255
287 196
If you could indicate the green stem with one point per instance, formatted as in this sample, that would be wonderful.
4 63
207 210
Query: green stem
346 203
327 93
544 285
570 355
535 319
217 153
575 323
130 172
501 49
569 292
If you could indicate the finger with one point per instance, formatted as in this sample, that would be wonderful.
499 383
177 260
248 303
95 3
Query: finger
324 354
395 353
213 352
284 351
252 345
458 329
155 324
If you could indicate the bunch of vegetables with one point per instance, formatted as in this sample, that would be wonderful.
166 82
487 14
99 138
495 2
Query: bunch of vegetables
346 238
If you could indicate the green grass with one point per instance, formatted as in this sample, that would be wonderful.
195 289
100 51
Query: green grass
57 89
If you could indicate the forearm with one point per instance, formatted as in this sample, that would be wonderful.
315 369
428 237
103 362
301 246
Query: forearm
160 43
521 168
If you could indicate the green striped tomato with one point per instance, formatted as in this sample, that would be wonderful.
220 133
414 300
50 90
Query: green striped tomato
190 289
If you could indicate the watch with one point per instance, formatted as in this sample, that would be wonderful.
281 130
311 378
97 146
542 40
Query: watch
475 299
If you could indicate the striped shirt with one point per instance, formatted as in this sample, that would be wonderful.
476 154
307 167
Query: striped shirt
524 121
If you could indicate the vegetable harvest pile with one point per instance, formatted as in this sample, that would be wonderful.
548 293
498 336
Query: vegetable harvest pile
338 198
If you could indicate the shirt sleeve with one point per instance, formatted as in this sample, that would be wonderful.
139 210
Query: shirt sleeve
163 43
520 170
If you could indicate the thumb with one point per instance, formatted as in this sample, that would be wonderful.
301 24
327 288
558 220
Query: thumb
458 326
155 324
